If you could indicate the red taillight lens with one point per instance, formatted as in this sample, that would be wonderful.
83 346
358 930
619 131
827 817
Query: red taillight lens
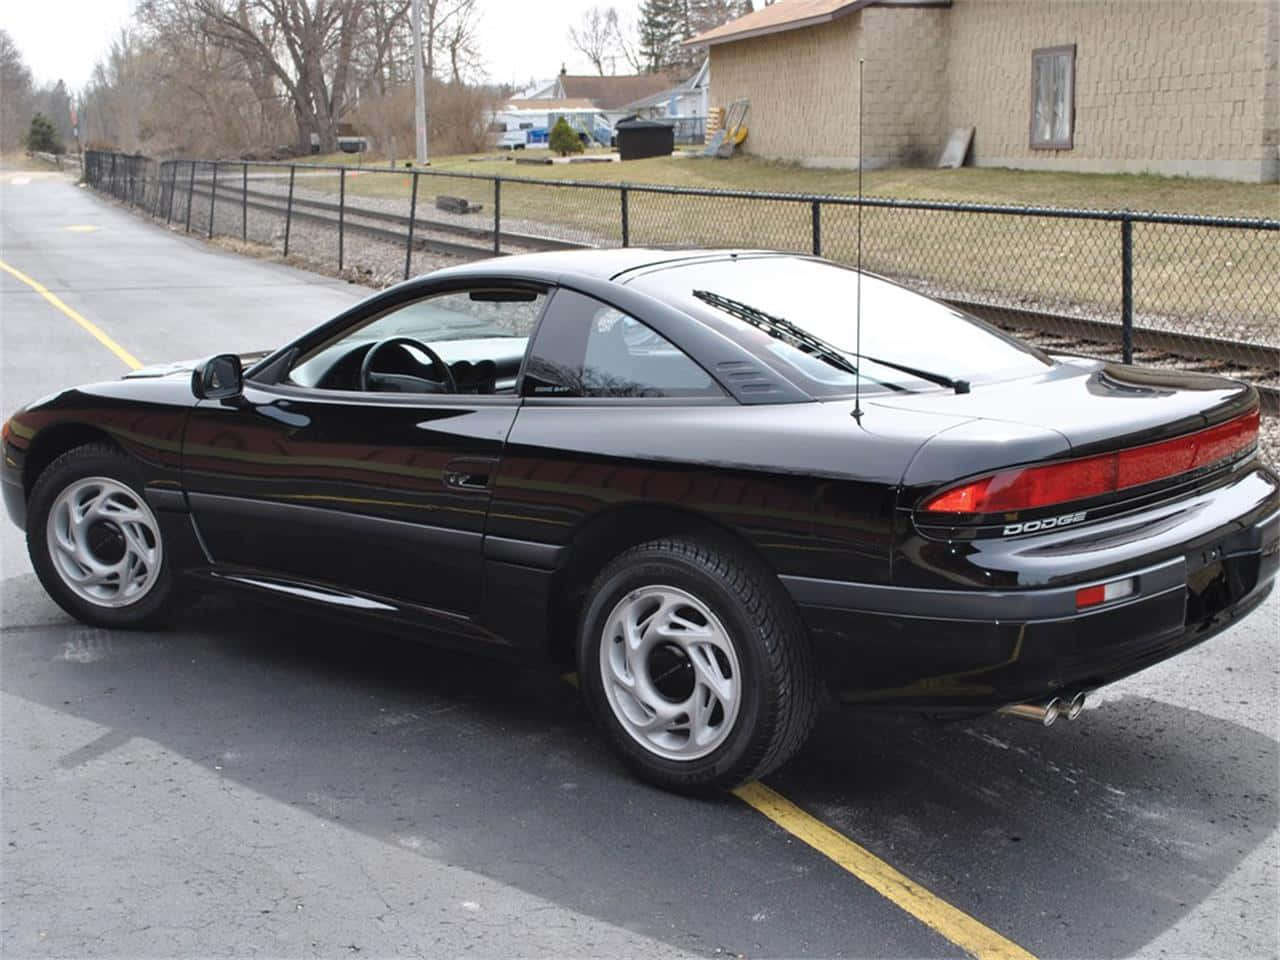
1105 593
1030 487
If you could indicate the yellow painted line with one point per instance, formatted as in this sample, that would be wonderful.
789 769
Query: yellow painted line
81 228
94 330
954 924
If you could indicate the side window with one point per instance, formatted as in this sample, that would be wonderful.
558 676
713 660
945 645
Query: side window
481 334
586 348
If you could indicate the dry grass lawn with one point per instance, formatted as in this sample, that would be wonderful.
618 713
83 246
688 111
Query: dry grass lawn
966 185
18 161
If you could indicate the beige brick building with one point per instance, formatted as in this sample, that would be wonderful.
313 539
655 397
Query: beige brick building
1181 87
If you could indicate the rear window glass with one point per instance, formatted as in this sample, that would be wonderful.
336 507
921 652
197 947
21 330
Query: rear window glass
898 326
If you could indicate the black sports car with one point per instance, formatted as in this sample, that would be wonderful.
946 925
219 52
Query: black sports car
685 472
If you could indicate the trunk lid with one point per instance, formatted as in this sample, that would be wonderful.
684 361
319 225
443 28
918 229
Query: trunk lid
1095 406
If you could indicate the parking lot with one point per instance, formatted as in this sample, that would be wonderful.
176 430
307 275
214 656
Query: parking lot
250 782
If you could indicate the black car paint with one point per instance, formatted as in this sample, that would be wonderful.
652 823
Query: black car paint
462 513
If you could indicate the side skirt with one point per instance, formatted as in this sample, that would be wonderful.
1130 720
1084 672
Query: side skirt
418 622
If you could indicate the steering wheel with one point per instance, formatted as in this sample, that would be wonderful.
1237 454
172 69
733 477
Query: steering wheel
404 382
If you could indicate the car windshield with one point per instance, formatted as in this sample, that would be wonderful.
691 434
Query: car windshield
900 327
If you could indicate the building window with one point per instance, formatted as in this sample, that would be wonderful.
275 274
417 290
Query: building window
1053 96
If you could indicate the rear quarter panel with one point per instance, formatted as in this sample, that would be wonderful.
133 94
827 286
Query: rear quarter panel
811 488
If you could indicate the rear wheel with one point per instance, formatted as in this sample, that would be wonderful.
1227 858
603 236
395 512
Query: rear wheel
696 665
94 541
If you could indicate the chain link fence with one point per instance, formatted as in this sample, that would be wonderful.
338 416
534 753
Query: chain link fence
1197 292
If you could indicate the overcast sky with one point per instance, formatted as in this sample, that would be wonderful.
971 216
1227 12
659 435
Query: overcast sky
519 39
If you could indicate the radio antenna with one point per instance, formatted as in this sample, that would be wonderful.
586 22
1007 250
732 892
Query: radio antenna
857 322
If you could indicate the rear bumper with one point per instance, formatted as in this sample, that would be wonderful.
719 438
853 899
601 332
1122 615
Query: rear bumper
974 650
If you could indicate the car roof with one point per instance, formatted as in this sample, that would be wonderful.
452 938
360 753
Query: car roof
613 264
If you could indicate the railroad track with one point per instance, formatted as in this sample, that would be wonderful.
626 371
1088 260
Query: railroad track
366 221
1256 363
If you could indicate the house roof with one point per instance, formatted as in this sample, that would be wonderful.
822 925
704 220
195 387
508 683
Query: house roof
793 15
609 93
550 105
662 96
658 99
539 90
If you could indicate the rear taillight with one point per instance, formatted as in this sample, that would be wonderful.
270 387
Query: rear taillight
1028 488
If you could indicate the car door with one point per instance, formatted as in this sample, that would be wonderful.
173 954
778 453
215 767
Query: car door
606 400
316 479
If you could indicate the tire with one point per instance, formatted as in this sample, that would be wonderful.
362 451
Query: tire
116 532
718 687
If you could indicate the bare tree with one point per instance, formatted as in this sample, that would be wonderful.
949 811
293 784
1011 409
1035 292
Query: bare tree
118 95
628 45
596 36
459 40
165 87
305 45
382 54
15 94
211 77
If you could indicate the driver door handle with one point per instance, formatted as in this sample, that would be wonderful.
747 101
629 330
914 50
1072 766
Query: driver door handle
468 474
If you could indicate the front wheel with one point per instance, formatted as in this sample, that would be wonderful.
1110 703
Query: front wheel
94 541
696 665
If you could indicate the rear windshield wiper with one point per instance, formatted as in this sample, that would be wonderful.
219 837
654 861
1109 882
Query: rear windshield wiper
959 386
804 340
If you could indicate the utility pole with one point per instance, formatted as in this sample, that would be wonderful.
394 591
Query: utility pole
419 84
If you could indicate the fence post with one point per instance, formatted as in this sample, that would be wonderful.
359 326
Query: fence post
168 207
816 216
497 216
191 192
112 189
213 195
626 217
288 210
413 212
1126 288
342 209
244 203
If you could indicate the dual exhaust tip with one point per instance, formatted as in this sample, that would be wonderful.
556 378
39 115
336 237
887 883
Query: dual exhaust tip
1049 712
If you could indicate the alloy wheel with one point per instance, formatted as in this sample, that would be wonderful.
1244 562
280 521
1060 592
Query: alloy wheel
104 542
670 672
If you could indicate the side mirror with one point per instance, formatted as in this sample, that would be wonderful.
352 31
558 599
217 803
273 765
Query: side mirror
218 378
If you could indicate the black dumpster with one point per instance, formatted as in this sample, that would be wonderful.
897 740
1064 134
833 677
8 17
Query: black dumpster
644 138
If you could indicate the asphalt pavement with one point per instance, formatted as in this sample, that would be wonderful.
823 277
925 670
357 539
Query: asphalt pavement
252 782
